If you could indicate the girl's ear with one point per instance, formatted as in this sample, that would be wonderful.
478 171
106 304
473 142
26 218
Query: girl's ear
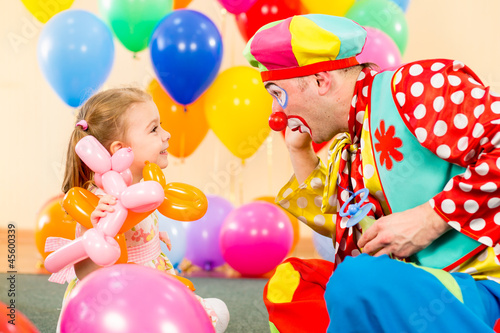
115 146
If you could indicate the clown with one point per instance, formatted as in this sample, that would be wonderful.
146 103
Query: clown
423 140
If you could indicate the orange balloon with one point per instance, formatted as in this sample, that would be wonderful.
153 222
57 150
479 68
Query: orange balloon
52 221
179 4
182 202
120 238
187 124
80 203
185 281
293 220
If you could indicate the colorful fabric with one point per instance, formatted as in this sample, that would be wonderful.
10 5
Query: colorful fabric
304 45
474 212
378 294
295 292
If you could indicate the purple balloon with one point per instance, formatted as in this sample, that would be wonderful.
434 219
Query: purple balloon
130 298
380 49
256 237
203 235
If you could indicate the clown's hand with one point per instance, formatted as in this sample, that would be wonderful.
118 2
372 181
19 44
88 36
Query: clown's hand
296 141
405 233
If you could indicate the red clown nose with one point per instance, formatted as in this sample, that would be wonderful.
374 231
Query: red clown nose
278 121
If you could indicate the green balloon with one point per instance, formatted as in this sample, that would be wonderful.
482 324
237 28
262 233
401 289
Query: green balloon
384 15
133 21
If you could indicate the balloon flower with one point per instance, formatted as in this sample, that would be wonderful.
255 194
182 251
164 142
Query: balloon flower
143 198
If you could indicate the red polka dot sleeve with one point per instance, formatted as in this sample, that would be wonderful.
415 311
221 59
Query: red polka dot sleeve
451 113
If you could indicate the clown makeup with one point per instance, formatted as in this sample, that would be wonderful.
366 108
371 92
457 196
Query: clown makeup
278 93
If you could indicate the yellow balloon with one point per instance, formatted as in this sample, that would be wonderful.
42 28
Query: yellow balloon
330 7
238 107
44 10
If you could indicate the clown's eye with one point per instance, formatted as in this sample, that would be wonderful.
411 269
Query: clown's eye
280 95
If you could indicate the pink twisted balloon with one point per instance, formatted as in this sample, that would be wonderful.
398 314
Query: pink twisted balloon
114 177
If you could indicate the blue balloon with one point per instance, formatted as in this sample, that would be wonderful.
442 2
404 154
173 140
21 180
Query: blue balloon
403 4
324 246
177 233
75 54
186 51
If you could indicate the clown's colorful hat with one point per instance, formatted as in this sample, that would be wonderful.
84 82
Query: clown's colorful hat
304 45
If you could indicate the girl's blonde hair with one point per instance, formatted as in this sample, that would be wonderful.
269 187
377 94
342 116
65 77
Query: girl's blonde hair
103 113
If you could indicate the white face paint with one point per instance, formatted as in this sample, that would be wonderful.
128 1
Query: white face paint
279 94
298 124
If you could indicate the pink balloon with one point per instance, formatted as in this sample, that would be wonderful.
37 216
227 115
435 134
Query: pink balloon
379 49
255 238
142 197
131 298
122 159
102 249
93 154
237 6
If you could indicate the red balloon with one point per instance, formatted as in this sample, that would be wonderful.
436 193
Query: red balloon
316 146
14 321
266 11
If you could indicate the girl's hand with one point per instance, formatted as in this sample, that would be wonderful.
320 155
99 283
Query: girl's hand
105 205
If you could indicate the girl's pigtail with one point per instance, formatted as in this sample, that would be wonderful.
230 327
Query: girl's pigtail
76 173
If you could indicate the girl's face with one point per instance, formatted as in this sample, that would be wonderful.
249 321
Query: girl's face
146 137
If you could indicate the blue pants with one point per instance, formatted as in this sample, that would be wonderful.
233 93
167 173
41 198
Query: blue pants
378 294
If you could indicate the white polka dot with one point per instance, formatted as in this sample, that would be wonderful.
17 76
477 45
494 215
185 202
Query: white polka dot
368 171
355 253
421 134
319 220
495 107
448 206
380 196
486 241
454 80
457 97
478 110
353 182
359 116
419 112
471 80
437 66
417 89
344 195
438 104
343 244
401 98
496 140
287 192
316 183
318 201
495 122
498 163
482 256
407 117
437 80
354 101
465 187
398 77
455 225
343 222
477 93
364 91
432 203
489 187
482 169
467 174
302 219
440 128
471 206
285 204
443 151
457 65
302 202
332 201
493 203
484 141
361 76
478 130
494 94
460 121
469 156
470 270
496 218
449 185
416 70
463 143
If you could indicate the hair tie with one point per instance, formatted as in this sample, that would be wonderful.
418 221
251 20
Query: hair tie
83 123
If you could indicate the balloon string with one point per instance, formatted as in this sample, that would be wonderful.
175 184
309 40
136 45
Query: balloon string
269 143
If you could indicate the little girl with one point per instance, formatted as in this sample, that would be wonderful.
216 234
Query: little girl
119 118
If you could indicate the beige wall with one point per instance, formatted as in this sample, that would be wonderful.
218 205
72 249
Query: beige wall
35 124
